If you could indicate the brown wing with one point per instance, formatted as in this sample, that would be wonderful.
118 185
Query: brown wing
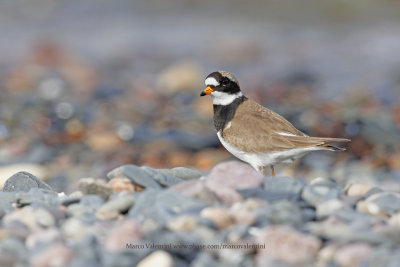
257 129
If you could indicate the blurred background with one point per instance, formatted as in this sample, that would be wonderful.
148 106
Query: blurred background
89 85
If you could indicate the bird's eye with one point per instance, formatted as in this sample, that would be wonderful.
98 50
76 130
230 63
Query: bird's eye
224 82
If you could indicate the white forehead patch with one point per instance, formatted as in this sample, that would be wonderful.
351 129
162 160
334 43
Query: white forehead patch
211 81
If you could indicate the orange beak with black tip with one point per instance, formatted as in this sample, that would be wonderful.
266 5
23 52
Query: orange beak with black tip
207 91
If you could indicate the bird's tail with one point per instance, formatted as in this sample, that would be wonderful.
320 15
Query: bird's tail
326 143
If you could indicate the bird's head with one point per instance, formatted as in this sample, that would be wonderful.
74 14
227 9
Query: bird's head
223 88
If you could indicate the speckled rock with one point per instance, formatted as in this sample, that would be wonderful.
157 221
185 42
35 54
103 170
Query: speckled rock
303 248
24 181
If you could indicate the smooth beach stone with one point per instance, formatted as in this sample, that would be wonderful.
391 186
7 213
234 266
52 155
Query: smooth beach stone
24 181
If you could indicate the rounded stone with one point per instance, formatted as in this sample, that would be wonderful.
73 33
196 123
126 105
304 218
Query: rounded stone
281 241
357 189
352 254
158 258
24 181
234 175
182 223
123 184
220 216
54 255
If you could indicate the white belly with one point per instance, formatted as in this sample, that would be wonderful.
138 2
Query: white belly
267 158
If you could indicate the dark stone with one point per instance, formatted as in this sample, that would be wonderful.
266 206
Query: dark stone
24 181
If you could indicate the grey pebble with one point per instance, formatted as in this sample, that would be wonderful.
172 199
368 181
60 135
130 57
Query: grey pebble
12 251
204 259
119 204
163 179
260 193
284 185
280 212
388 202
136 174
182 173
320 191
144 201
178 202
36 195
24 181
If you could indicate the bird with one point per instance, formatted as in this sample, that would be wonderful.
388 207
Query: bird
254 133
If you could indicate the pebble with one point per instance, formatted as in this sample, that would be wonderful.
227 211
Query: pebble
281 240
126 232
352 254
6 171
330 207
196 189
220 216
93 186
25 215
177 202
158 258
75 229
281 212
182 173
24 181
123 184
339 231
55 255
370 208
234 175
12 251
182 223
357 189
395 220
284 187
163 179
319 191
137 175
43 236
114 207
387 202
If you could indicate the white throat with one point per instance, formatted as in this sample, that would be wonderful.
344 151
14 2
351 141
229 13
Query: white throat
221 98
